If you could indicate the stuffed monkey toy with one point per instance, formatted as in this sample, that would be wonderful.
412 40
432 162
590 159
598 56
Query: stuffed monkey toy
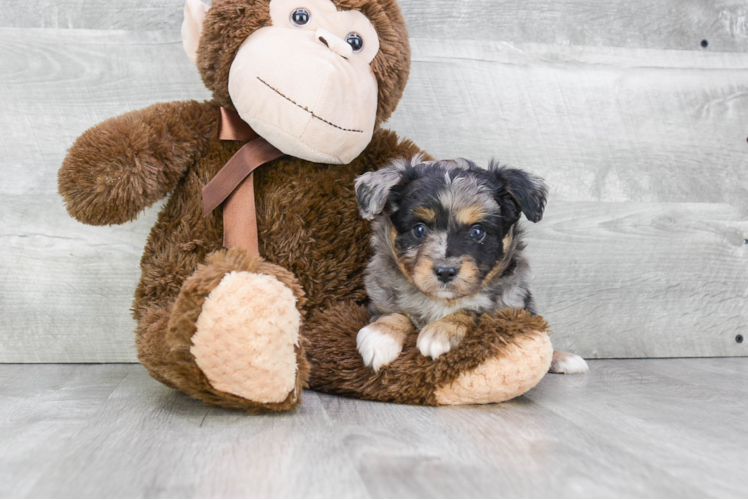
252 278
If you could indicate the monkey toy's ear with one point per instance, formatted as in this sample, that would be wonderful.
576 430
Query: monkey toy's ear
192 26
528 191
373 188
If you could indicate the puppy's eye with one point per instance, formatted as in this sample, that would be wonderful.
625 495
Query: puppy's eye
300 17
419 230
477 233
355 41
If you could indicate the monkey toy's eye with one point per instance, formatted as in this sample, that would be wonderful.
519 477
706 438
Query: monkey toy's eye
355 41
300 17
477 233
419 230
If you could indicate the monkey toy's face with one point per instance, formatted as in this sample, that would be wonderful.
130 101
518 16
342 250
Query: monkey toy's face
320 103
305 83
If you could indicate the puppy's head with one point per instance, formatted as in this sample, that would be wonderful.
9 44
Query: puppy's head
448 224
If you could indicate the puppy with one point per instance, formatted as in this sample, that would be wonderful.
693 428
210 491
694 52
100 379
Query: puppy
447 248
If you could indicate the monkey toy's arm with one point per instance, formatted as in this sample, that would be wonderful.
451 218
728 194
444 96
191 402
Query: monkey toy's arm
125 164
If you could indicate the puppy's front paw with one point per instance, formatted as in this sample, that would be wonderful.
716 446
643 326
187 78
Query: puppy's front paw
568 363
439 337
377 348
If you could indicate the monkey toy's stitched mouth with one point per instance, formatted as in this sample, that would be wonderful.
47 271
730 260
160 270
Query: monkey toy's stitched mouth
307 109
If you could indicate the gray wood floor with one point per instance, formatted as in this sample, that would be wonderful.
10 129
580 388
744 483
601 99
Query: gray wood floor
632 428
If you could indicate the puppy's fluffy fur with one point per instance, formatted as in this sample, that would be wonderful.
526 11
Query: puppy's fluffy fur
447 248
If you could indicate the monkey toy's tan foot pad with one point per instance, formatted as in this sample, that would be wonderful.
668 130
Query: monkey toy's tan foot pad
244 317
246 336
504 357
518 369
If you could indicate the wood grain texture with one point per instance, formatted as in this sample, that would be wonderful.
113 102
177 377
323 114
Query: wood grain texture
66 287
630 428
665 24
642 280
645 151
58 83
133 15
599 124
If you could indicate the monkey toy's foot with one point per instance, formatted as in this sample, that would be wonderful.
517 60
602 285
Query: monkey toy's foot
233 336
246 336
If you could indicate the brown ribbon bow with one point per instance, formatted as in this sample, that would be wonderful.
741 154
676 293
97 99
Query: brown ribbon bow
233 185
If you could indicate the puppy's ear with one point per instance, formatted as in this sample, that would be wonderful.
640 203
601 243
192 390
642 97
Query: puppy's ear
528 191
373 188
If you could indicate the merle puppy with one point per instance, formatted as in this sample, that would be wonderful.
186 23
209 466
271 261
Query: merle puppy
447 248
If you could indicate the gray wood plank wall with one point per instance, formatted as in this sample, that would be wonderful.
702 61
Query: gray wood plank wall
640 131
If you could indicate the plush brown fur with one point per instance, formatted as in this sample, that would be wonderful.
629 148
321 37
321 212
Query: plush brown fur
337 367
308 223
127 163
310 233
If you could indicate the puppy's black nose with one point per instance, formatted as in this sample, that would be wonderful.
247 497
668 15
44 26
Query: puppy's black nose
445 273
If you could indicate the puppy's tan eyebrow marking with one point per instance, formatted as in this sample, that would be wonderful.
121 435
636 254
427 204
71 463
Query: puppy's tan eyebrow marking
425 214
506 241
470 215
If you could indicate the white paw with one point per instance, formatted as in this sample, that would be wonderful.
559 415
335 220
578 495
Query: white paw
377 349
568 363
433 342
